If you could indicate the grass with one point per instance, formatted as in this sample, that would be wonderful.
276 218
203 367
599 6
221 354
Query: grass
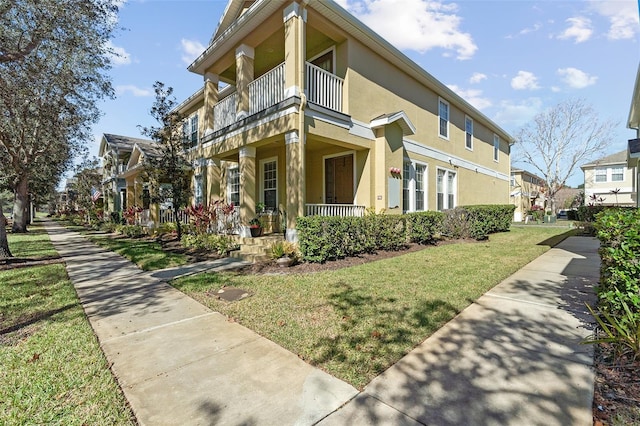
148 255
356 322
52 370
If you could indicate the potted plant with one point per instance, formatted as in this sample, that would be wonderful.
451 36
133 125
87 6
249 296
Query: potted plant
284 253
255 227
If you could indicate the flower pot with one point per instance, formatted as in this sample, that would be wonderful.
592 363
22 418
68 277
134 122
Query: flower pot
255 232
284 262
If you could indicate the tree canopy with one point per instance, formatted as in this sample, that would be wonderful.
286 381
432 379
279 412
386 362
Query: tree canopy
54 58
561 139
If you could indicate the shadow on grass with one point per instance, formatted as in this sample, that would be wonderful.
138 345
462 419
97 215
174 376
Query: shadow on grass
27 320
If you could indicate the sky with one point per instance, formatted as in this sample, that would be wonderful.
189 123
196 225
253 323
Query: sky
511 59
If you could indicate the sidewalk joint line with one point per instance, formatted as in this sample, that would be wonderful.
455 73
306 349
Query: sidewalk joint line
156 327
490 294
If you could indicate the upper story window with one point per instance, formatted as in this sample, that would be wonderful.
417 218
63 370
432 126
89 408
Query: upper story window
324 61
609 174
190 132
496 147
468 129
443 114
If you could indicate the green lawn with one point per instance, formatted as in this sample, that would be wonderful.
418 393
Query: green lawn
356 322
52 370
148 255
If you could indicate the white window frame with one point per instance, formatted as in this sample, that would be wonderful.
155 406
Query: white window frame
441 101
332 49
600 172
446 190
613 169
496 148
233 169
412 184
262 179
198 190
468 136
194 133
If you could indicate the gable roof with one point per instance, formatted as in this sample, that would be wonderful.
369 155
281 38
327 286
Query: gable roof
618 157
119 143
231 12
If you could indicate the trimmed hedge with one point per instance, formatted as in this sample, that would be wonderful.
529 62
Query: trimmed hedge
618 230
423 227
478 221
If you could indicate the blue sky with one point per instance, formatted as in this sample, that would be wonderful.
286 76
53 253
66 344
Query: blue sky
509 58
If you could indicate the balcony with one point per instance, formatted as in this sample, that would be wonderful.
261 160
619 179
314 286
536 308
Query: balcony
322 88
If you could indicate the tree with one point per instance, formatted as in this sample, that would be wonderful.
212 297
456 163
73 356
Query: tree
558 140
170 171
87 181
51 78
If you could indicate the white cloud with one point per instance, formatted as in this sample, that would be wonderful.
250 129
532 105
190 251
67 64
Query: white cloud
191 49
622 15
576 78
134 90
473 96
517 114
477 77
119 55
533 29
525 80
579 29
419 25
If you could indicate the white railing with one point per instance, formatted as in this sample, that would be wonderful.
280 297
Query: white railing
342 210
224 112
324 88
266 90
167 216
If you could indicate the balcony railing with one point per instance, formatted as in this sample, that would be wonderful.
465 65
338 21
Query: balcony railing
341 210
324 88
224 112
266 90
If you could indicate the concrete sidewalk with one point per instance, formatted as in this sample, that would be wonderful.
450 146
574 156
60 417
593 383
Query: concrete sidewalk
513 357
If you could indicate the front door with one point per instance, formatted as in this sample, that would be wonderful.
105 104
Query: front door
338 180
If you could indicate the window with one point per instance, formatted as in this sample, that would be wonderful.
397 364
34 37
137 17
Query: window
443 113
446 189
414 187
194 131
601 175
496 147
233 185
197 185
324 61
270 184
617 174
468 128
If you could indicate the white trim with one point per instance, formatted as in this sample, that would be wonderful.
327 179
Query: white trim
429 152
468 117
233 166
446 188
413 183
247 152
291 137
292 91
443 100
245 50
261 168
252 125
324 178
292 11
324 52
358 128
402 120
212 78
496 149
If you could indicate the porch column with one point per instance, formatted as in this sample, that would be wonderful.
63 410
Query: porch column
388 154
295 182
210 99
247 166
295 18
244 76
212 178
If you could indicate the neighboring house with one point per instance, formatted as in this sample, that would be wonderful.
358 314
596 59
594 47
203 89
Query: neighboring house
633 150
122 186
611 180
526 191
307 110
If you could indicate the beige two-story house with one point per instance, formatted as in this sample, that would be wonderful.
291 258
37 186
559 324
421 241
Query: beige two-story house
526 192
610 181
308 111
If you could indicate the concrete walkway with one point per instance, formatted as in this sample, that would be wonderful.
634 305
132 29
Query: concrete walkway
513 357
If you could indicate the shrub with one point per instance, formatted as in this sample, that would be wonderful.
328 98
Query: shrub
478 221
221 244
619 233
131 231
456 223
281 249
424 227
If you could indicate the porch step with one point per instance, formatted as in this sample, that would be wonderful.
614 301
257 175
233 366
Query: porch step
255 249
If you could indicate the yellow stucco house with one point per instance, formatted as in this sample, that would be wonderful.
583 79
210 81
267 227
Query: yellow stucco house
633 148
526 191
307 110
611 180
